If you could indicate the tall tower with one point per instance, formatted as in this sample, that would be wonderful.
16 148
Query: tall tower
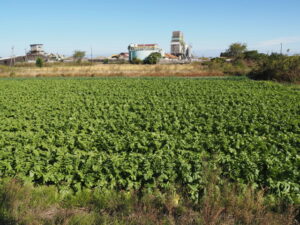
177 44
36 49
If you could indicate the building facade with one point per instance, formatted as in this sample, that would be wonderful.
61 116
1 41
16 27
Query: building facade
36 49
178 46
142 51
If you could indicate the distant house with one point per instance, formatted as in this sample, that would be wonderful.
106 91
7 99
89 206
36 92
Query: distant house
122 55
36 51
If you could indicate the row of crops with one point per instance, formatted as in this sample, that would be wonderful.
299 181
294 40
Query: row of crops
145 133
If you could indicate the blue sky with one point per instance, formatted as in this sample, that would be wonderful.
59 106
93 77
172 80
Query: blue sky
109 26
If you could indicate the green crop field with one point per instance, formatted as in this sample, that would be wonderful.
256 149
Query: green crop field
146 133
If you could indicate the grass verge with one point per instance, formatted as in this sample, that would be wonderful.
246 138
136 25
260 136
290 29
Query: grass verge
221 203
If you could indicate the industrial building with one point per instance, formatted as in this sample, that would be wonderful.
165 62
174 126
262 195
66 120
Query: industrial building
178 46
10 61
180 53
36 51
142 51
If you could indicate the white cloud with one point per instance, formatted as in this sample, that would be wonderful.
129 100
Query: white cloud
278 41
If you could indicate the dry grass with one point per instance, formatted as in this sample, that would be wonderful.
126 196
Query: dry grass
221 205
98 70
231 205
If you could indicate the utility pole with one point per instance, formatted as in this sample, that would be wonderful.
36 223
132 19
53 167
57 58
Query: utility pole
12 59
91 55
281 48
25 54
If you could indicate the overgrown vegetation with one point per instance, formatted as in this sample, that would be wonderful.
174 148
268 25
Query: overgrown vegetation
222 203
236 67
237 60
278 67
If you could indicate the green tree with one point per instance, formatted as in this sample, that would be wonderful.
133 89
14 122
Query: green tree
153 58
78 56
254 55
105 61
39 62
235 50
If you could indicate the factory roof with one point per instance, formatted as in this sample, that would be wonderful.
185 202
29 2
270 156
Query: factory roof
137 47
14 57
142 45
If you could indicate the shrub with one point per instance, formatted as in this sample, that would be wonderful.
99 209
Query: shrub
215 64
136 61
153 58
254 56
39 62
235 67
279 68
218 60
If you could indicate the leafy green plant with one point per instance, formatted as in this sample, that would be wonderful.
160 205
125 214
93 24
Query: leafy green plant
148 134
